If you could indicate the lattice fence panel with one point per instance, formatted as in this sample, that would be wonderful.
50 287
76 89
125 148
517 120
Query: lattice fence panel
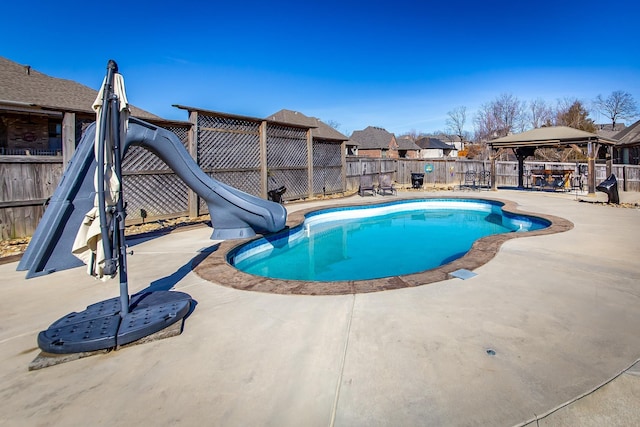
158 194
327 180
182 132
228 143
327 154
286 147
295 180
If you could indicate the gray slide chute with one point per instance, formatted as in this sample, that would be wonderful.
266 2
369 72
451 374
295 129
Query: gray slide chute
234 213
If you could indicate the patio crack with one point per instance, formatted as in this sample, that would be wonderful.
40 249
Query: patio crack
334 409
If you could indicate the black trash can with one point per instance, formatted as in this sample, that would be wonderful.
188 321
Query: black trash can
610 187
417 180
276 195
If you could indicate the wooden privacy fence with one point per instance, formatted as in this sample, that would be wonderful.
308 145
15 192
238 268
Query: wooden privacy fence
26 184
450 172
253 155
357 166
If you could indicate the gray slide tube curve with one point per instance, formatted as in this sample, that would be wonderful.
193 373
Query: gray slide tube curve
234 213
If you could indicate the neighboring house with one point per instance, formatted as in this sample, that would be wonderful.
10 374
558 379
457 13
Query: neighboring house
43 115
326 151
376 142
627 150
451 140
606 130
407 149
320 131
431 148
352 148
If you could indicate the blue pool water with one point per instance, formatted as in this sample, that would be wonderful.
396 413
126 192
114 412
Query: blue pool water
391 239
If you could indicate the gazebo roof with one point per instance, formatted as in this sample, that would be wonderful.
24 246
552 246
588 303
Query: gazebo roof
552 136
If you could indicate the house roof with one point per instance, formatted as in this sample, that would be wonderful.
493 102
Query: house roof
21 85
406 144
550 136
373 138
433 143
629 135
445 137
320 130
608 131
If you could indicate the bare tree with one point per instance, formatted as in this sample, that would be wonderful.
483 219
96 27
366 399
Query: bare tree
540 114
619 105
456 121
500 117
509 111
485 124
333 123
413 135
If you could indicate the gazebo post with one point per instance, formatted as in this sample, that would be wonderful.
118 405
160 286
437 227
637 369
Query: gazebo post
520 170
592 150
494 181
609 157
521 154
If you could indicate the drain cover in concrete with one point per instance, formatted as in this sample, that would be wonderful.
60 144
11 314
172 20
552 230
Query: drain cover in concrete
463 274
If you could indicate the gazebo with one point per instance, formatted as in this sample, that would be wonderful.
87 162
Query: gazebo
524 145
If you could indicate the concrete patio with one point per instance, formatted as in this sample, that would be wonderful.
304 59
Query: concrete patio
546 334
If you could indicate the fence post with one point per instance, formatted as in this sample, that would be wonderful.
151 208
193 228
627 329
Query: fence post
310 162
264 167
68 138
343 161
192 143
592 152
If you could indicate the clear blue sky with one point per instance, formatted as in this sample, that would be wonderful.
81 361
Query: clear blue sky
401 65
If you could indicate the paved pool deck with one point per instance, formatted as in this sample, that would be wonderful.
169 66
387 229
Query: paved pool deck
546 334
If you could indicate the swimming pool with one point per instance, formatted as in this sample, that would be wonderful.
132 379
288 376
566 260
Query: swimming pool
377 241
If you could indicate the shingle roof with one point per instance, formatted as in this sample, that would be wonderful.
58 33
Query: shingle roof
319 130
24 85
373 138
607 130
406 144
432 143
548 136
446 138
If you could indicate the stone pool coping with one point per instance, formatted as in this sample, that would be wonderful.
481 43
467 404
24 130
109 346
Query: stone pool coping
216 268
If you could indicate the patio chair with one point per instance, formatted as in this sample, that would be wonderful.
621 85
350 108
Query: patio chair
470 181
385 184
485 179
366 184
563 184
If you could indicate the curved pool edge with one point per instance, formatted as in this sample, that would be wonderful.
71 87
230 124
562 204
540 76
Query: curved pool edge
215 267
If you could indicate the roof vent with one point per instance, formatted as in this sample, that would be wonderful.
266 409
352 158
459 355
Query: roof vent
27 69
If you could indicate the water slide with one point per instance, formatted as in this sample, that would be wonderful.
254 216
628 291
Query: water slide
234 213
